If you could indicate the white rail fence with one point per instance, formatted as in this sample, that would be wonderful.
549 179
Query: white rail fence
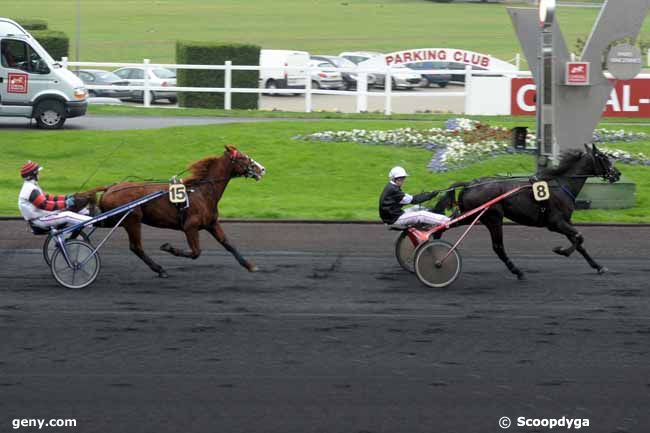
361 93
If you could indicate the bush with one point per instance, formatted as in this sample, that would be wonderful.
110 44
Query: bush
206 53
32 24
55 43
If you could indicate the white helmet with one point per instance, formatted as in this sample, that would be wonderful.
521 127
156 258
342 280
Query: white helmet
396 172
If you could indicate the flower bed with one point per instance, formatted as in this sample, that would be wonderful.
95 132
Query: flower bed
464 141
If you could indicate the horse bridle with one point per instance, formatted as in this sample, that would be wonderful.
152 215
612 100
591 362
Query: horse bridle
608 172
249 162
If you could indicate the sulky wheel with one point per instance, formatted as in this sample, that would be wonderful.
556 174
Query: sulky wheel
50 245
430 267
83 267
404 251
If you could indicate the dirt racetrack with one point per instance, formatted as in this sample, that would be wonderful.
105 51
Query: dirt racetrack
330 336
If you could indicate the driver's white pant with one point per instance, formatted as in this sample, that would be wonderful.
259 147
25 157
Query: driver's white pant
65 217
414 215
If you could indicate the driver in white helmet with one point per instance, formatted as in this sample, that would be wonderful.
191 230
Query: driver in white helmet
393 199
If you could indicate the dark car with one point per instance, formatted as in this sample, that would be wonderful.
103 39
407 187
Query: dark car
349 78
99 77
461 67
440 79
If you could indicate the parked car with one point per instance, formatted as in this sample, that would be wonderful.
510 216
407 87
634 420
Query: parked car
99 77
283 69
402 77
461 67
405 78
349 78
324 76
357 57
440 79
158 77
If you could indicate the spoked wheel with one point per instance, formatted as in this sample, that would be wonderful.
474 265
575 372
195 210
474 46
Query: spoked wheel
50 245
430 267
83 268
404 252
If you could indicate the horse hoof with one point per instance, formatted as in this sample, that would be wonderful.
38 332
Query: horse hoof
252 268
521 276
560 251
163 274
602 270
166 247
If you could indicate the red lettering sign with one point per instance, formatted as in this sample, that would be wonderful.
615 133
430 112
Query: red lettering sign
577 73
17 83
629 98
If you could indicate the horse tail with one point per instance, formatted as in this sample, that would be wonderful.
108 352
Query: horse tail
89 199
448 201
95 190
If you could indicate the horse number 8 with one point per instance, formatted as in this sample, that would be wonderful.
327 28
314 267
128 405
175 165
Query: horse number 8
177 193
540 191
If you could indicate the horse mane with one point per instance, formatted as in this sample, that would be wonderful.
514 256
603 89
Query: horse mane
200 169
567 160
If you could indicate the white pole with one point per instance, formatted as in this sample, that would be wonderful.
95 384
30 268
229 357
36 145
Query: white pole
227 100
78 37
518 61
64 62
468 89
146 96
648 56
308 90
388 92
362 89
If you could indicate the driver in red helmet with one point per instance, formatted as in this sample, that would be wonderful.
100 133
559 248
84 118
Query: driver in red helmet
42 209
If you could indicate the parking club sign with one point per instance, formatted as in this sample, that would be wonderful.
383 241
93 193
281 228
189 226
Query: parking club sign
577 74
17 83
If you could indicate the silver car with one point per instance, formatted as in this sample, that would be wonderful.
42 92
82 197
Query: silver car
158 77
325 76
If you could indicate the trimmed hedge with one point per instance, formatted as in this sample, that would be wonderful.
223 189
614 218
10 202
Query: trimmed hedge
207 53
55 43
32 24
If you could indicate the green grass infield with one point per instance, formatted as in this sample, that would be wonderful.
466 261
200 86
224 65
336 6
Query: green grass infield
151 29
305 180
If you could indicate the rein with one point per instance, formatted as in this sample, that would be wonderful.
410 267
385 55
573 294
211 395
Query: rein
213 181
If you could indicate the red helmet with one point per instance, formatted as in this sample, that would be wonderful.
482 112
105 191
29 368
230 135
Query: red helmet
30 169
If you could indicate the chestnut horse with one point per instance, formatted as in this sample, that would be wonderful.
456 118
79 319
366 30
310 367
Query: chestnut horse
205 186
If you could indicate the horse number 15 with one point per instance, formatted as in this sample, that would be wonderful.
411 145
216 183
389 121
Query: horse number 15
177 193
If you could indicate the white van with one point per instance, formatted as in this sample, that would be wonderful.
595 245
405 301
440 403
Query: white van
32 84
274 72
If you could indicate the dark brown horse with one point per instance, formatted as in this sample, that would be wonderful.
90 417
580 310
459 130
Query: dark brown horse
205 186
565 183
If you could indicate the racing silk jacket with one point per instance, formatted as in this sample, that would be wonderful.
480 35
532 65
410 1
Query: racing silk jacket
393 198
34 203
